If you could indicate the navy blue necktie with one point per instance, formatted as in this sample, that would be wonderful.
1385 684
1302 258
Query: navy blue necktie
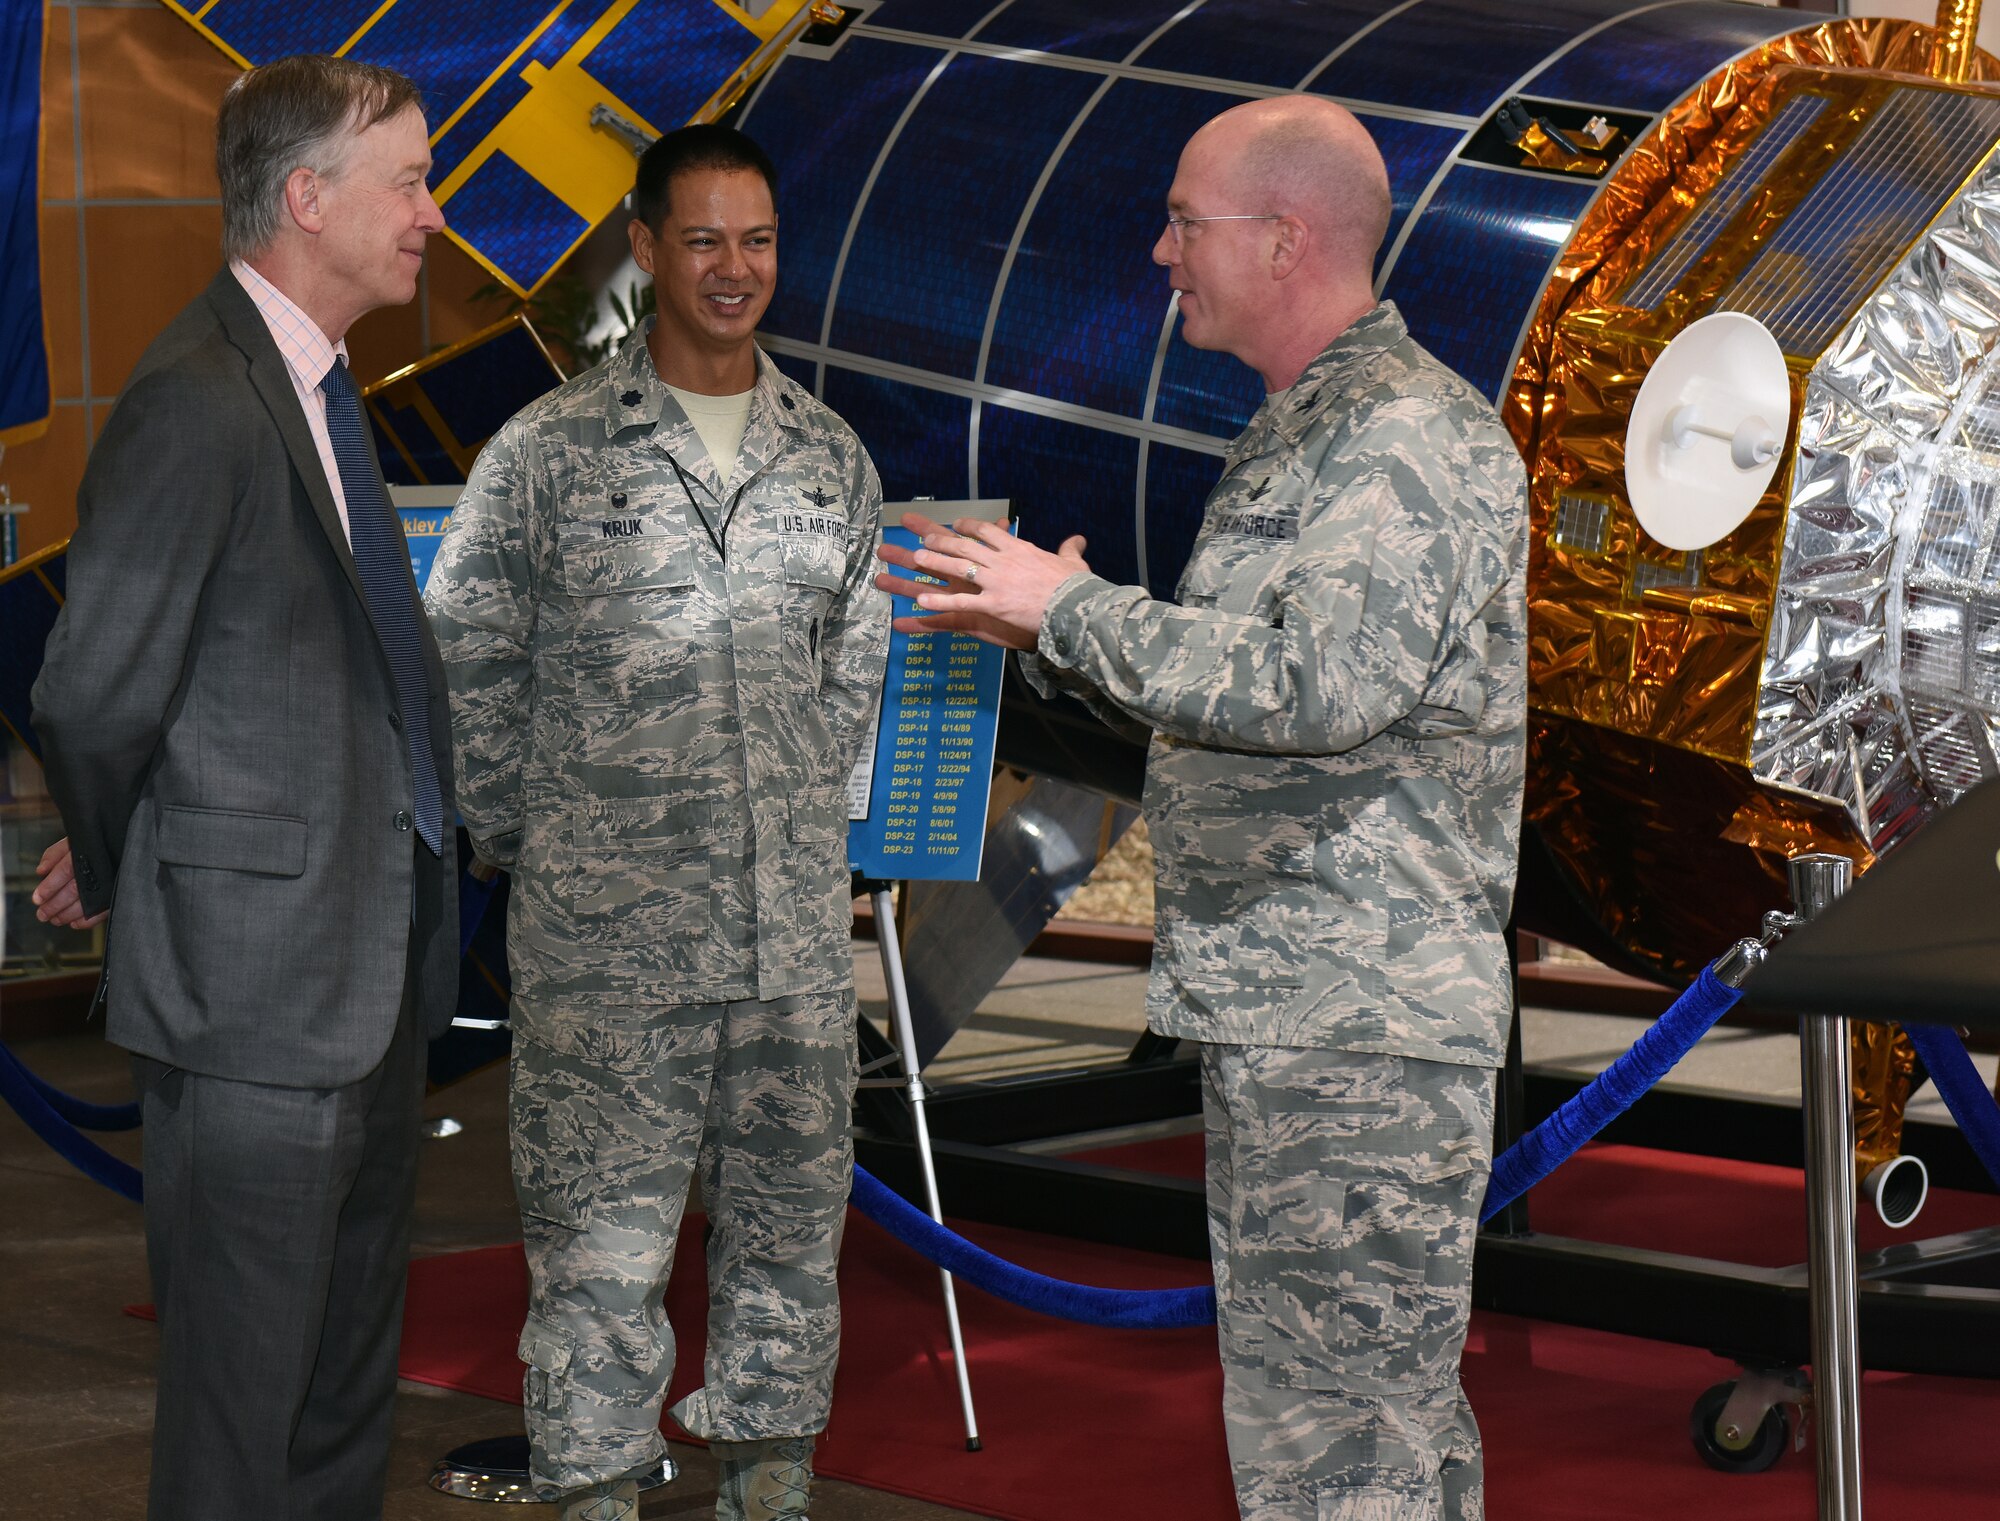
383 560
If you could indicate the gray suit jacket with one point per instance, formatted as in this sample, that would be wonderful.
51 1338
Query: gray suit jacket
220 730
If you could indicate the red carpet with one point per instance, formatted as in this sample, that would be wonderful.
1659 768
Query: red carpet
1123 1425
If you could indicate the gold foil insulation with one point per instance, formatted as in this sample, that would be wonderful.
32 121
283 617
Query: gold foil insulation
1882 1063
1673 766
1645 665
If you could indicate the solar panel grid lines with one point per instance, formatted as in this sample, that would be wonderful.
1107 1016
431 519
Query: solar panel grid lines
1739 183
1915 151
1109 422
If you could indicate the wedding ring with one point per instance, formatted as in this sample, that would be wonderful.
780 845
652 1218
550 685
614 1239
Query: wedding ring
972 572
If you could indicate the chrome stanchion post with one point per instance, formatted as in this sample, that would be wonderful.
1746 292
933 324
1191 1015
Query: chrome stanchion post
906 1042
1817 880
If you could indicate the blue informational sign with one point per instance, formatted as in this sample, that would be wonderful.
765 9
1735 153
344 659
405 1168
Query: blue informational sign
927 776
425 511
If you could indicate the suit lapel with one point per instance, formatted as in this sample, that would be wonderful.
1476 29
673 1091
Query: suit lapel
246 329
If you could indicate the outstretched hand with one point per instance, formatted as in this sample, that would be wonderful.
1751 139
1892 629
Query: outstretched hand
997 587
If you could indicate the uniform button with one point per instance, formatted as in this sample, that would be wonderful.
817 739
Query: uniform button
403 822
395 720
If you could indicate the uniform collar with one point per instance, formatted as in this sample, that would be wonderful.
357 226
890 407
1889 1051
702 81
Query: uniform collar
636 397
1329 376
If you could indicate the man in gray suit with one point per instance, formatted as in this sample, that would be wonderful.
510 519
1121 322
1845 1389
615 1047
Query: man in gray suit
244 724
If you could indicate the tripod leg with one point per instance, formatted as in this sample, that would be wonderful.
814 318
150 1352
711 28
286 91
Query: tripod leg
906 1041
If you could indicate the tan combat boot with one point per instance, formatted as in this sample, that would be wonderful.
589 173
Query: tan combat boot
764 1481
613 1500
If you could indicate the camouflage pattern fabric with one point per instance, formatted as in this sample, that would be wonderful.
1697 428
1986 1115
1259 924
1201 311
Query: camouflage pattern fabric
654 735
1338 706
1343 1205
612 1113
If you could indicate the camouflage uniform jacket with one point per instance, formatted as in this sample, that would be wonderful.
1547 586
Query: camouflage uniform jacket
654 736
1337 706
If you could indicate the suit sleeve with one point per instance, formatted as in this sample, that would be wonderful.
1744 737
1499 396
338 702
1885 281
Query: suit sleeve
1356 629
153 518
483 597
854 648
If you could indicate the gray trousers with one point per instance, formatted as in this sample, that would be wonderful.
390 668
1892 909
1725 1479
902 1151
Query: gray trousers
1343 1200
613 1111
277 1231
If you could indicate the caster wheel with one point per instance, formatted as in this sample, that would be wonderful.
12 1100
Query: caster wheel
1751 1451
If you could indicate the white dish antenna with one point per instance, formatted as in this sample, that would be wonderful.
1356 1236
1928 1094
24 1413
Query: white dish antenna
1706 430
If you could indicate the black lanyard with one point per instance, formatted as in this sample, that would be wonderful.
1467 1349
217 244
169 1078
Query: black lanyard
719 540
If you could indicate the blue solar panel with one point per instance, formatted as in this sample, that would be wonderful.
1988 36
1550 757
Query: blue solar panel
506 92
1178 482
1458 55
804 371
1205 390
1412 150
937 18
433 466
448 47
916 437
1695 236
1842 239
480 389
1469 276
1081 318
823 158
513 220
663 61
1266 42
1105 32
1063 478
1649 62
920 274
471 129
265 29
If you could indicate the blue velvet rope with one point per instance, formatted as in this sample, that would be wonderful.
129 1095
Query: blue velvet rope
57 1117
1125 1309
1963 1091
85 1116
1614 1090
23 1093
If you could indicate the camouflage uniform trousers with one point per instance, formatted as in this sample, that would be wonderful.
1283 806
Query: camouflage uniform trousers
1343 1203
612 1112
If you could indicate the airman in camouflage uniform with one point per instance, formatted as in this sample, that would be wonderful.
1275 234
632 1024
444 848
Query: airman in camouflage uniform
1336 703
661 672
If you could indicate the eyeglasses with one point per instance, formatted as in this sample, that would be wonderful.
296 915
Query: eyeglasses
1175 224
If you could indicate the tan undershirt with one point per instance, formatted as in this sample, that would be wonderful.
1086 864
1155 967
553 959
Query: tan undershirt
720 421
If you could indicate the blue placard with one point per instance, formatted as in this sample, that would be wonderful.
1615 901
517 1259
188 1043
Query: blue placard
933 756
423 527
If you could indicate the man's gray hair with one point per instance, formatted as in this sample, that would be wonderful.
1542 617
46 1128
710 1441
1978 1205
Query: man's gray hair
302 112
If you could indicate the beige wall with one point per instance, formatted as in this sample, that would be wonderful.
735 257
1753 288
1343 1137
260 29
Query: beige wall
131 231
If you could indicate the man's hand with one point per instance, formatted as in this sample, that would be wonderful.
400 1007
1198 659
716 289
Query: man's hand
998 586
55 897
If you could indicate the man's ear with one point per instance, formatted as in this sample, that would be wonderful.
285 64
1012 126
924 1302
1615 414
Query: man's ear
1289 242
302 200
640 236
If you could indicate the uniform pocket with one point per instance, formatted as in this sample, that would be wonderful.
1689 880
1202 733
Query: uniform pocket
596 566
552 1138
1368 1274
226 839
639 869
